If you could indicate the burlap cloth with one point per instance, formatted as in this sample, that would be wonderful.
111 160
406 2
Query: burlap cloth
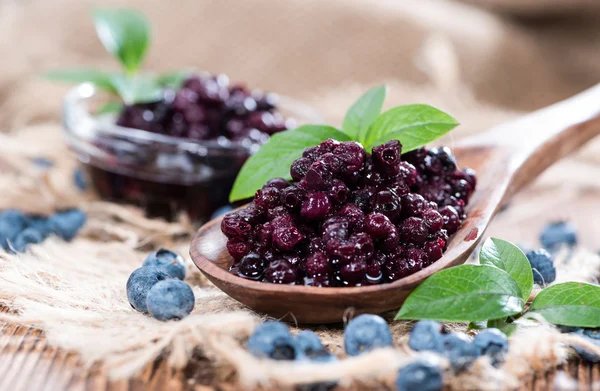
481 67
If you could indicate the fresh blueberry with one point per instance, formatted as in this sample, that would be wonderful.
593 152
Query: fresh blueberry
459 349
40 224
492 343
320 356
25 238
172 263
42 162
12 222
67 224
308 342
170 299
421 375
542 264
79 179
365 333
426 335
558 233
221 211
139 284
272 340
593 336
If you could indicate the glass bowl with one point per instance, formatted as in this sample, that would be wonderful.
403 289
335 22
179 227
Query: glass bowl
165 175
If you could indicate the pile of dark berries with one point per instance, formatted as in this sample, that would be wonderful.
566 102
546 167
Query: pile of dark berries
18 231
158 289
460 350
349 218
208 107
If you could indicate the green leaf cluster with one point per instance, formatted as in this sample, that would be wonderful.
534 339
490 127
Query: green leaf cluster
124 33
413 125
496 292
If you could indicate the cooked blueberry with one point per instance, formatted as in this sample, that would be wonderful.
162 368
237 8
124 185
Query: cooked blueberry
492 343
558 233
139 284
170 300
171 262
420 375
542 265
272 340
365 333
67 224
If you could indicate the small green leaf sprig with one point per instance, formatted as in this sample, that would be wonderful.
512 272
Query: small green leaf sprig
496 292
124 33
413 125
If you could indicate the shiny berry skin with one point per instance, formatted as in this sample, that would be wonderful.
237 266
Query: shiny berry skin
299 168
413 204
434 249
352 156
386 157
291 197
169 261
317 264
285 238
388 203
238 248
278 183
378 225
338 192
280 272
433 219
267 198
315 206
451 219
353 272
252 266
414 230
234 226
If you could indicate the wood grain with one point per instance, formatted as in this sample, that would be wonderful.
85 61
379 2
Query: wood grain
506 158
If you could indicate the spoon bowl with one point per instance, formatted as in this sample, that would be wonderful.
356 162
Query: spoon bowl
506 158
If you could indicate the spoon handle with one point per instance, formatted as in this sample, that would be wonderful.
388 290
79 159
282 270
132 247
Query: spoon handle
538 140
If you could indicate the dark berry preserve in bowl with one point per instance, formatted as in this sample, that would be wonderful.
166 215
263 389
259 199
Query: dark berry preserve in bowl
349 218
181 153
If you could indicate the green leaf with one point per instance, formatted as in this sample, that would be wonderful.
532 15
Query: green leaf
109 108
413 125
275 157
172 79
508 257
573 304
137 89
101 79
467 293
479 325
125 33
363 113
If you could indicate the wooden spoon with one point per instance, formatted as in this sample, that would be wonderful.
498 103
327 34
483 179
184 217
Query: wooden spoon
506 158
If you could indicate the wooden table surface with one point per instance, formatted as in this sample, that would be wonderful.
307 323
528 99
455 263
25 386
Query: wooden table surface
28 363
